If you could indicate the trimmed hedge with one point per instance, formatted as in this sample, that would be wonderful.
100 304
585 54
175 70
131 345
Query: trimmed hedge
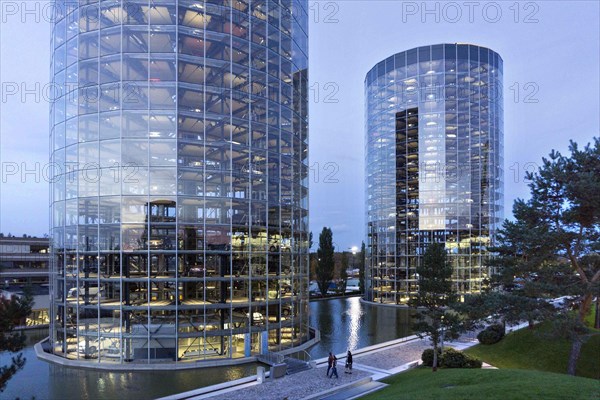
450 358
492 334
456 359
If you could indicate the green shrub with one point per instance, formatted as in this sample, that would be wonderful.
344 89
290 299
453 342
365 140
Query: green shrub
488 337
455 359
427 357
492 334
473 362
497 328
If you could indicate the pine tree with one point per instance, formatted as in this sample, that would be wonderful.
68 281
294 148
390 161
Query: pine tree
13 311
325 260
435 294
551 248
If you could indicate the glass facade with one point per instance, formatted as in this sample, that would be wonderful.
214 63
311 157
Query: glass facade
434 165
179 201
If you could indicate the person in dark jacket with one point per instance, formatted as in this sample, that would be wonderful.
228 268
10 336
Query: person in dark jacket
348 363
329 363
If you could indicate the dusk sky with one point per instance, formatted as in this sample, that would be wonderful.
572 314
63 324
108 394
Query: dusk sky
551 93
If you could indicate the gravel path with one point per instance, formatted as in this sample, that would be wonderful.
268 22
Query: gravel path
394 356
295 386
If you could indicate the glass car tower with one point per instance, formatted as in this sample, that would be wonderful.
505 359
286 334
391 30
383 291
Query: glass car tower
179 203
434 165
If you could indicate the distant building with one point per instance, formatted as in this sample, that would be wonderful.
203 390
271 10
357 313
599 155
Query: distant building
24 263
24 260
434 165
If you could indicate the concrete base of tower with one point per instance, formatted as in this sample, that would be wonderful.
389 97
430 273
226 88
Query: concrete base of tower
43 352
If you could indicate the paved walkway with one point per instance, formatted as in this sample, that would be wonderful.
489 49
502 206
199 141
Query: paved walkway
371 364
296 386
392 357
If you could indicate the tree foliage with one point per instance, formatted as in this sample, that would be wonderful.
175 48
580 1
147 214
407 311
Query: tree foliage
12 313
343 273
433 318
551 248
325 260
503 307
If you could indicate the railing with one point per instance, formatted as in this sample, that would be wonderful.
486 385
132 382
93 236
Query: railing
270 358
301 355
314 333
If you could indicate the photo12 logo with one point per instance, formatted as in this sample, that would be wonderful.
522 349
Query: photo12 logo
452 12
53 172
51 11
83 95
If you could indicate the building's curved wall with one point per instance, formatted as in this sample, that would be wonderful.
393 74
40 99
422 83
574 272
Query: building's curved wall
434 156
180 201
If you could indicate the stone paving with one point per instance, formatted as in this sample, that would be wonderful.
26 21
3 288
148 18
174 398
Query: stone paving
392 357
296 386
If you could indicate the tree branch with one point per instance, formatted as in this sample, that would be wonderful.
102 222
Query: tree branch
575 265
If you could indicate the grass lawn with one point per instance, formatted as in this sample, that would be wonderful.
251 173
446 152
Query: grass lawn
524 349
488 384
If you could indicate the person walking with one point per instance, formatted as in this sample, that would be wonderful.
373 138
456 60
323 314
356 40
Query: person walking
334 368
348 363
329 363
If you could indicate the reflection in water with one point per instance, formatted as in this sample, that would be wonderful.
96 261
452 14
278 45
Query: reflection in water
344 324
42 380
355 313
70 383
350 324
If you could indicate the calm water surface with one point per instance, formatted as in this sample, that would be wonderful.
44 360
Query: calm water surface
350 324
344 324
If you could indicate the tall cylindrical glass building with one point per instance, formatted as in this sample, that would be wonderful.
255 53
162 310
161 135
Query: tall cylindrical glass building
434 165
179 205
